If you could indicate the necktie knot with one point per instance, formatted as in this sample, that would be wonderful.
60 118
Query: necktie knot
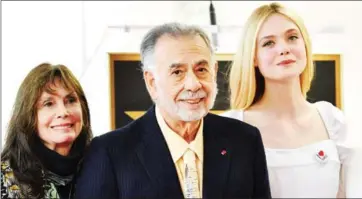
189 156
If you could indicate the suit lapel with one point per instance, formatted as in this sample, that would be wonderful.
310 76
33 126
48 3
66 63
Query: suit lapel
156 158
217 154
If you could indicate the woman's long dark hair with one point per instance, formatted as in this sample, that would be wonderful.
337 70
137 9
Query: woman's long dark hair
22 126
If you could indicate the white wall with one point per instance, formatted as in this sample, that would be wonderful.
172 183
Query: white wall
76 34
352 70
35 32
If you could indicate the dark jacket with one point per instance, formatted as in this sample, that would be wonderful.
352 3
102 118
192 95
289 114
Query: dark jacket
135 162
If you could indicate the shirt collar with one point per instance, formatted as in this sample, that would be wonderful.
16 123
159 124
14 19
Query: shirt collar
176 144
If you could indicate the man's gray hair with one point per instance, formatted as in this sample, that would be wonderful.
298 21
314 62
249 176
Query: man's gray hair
172 29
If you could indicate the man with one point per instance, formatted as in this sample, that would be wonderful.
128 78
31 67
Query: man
177 149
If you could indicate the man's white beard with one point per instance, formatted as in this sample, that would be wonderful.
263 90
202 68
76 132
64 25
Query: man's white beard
184 114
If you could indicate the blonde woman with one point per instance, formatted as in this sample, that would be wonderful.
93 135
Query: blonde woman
270 76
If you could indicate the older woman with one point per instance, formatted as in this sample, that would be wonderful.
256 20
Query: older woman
47 135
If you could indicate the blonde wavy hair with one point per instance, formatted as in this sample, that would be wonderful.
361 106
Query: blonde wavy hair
245 81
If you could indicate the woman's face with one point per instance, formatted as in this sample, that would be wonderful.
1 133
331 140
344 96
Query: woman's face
280 51
59 116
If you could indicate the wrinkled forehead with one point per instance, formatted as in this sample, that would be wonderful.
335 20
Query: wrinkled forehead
184 49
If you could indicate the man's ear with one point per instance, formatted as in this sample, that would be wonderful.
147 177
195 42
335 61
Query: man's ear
216 68
149 78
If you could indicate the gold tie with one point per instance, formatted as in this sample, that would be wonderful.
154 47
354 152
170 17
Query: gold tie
191 179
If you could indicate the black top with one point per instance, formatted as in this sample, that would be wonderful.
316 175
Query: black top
59 169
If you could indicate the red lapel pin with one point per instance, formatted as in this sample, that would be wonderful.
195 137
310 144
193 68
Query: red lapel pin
223 152
321 156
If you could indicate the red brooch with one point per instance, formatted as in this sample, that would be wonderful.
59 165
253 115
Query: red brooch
223 152
321 156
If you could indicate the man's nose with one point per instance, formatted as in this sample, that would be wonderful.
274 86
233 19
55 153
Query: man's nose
192 82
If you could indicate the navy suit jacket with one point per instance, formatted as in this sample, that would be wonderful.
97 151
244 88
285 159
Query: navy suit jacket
135 162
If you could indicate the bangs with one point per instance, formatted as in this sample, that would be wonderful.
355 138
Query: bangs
58 78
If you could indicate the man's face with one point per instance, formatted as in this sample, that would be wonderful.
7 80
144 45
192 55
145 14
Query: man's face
183 81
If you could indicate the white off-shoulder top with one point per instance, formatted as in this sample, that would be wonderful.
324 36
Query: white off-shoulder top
306 172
